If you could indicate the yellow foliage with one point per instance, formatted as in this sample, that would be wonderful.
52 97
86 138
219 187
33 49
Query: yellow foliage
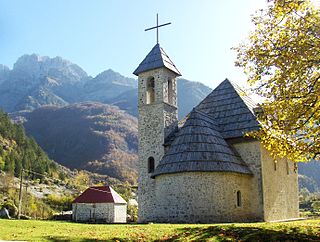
282 58
82 180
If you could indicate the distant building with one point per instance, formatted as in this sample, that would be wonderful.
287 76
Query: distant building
203 168
99 204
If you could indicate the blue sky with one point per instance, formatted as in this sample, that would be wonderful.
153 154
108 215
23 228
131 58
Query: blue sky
102 34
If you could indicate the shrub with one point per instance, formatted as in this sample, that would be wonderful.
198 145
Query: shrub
9 205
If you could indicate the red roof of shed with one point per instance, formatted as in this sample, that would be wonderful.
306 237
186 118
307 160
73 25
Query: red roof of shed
100 194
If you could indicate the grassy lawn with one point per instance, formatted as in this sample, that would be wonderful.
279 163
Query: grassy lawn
31 230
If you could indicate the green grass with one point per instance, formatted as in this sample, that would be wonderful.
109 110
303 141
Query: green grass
31 230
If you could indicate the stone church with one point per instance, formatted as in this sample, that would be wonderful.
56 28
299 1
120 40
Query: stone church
203 169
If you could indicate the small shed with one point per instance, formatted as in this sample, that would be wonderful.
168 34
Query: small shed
99 204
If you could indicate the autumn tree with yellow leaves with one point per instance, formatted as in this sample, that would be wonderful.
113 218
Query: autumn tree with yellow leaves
281 58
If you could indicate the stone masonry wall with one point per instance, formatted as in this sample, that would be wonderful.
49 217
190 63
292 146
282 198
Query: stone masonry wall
280 188
251 154
204 197
156 120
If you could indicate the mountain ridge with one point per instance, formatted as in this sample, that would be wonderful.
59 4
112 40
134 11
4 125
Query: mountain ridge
37 81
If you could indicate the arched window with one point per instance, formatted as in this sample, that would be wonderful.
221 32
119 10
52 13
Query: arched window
150 164
239 199
170 91
150 91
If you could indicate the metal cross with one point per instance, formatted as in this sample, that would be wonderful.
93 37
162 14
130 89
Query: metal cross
157 27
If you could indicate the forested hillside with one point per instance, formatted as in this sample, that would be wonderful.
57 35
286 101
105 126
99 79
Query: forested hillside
18 151
92 136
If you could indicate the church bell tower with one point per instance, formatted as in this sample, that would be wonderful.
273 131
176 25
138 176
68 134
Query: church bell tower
158 118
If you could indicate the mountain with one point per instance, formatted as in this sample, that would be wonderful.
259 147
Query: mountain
310 175
107 85
35 81
127 101
190 94
93 136
4 72
308 183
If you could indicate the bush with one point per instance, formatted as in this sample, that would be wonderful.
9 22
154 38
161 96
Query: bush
132 213
9 205
316 206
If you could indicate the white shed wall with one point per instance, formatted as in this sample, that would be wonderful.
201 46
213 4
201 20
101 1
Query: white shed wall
120 213
95 212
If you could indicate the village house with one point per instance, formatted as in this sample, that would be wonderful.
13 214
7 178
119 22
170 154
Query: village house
99 204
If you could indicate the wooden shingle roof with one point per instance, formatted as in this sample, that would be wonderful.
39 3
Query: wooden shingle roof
156 58
231 109
199 146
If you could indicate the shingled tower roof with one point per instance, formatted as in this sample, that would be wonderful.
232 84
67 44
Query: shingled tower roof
199 146
231 109
156 58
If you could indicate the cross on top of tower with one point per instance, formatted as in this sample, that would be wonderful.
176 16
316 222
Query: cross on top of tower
157 27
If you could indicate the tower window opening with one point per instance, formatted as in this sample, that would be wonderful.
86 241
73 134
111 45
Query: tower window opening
150 165
150 91
170 92
239 202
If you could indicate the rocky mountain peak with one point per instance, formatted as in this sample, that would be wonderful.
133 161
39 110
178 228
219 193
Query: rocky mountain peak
37 66
112 77
4 72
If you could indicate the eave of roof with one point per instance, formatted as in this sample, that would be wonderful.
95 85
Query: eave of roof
157 58
199 146
100 194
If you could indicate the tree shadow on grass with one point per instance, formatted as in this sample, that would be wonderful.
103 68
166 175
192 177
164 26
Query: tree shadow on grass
233 233
221 233
70 239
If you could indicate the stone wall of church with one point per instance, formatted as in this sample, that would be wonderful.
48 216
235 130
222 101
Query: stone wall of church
251 154
156 120
280 186
276 184
205 197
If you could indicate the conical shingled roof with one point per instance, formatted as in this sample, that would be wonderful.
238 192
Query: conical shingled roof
231 109
199 146
156 58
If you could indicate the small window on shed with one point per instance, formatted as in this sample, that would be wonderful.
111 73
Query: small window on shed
275 165
239 199
150 91
150 164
